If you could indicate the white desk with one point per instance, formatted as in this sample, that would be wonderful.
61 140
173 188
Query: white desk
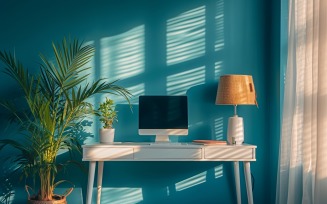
185 152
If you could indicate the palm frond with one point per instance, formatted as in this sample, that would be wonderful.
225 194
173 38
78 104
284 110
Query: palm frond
57 99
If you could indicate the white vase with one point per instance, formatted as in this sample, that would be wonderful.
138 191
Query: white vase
107 135
235 130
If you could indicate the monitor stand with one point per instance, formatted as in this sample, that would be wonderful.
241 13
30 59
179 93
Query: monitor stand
162 139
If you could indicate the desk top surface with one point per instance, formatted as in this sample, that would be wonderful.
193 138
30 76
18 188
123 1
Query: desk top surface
168 145
145 151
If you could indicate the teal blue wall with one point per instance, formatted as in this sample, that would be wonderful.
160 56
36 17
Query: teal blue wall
163 47
276 32
273 89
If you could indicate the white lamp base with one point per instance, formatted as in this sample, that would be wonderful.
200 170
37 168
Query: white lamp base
235 131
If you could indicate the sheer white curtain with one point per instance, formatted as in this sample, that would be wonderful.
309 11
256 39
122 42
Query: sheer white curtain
302 172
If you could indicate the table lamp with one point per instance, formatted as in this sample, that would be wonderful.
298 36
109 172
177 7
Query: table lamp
236 90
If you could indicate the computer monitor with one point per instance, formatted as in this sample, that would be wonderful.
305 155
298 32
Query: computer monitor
163 116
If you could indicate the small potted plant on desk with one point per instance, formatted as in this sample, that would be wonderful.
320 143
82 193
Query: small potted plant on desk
108 115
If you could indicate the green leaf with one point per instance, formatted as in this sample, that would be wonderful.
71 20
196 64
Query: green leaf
57 100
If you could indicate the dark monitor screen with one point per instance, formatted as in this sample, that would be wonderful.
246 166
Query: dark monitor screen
163 112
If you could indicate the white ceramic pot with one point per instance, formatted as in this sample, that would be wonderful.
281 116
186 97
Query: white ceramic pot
107 135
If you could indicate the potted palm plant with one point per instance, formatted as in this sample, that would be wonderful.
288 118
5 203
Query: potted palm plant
108 115
56 99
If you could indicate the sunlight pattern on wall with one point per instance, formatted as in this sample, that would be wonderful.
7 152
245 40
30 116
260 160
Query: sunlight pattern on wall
219 171
136 90
186 36
168 192
191 181
219 128
122 56
219 21
120 195
197 179
178 84
218 69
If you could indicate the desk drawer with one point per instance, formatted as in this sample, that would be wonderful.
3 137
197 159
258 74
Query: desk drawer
229 153
103 153
166 153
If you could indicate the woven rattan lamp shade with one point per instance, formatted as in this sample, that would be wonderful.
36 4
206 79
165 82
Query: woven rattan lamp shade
236 90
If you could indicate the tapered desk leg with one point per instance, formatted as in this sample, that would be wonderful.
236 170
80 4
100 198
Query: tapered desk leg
247 173
90 182
237 181
100 175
